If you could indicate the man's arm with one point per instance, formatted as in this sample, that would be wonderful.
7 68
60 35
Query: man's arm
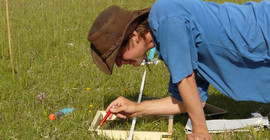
192 102
165 106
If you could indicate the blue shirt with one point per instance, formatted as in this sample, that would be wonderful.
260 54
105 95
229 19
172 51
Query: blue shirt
226 45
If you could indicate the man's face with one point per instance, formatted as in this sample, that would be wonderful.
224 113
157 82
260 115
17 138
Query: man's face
134 51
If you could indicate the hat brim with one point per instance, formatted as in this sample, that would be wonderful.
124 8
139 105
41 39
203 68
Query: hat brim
105 65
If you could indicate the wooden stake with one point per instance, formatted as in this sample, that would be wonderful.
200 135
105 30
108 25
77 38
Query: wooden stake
9 39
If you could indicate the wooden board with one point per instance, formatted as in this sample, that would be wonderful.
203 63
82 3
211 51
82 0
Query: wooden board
137 135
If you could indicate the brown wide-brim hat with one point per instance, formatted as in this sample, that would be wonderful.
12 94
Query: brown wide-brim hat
109 31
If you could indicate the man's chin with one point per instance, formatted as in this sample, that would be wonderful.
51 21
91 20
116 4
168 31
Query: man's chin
136 65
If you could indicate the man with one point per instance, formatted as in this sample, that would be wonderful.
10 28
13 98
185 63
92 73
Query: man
226 45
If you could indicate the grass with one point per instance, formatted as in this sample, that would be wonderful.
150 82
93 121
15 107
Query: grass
52 56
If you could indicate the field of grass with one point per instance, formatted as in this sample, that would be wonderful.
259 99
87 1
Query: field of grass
51 56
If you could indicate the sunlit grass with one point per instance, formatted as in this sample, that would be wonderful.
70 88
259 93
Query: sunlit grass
52 57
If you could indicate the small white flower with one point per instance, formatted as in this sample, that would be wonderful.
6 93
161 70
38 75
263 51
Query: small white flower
70 44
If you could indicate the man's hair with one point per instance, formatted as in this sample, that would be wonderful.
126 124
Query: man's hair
143 28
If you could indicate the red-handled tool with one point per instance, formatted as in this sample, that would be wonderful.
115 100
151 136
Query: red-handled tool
105 118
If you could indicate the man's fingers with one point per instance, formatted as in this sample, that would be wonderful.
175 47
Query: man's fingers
118 109
113 104
110 116
121 108
121 116
199 136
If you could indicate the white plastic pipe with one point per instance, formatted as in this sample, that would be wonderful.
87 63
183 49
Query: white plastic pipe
139 100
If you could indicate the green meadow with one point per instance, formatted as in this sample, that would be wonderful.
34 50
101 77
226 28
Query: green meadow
51 57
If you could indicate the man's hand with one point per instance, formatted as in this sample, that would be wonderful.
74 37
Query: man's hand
199 136
123 108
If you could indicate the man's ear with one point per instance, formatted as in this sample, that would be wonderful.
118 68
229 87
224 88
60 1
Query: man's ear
135 36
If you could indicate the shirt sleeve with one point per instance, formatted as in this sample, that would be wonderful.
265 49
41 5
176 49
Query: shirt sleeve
202 89
177 47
